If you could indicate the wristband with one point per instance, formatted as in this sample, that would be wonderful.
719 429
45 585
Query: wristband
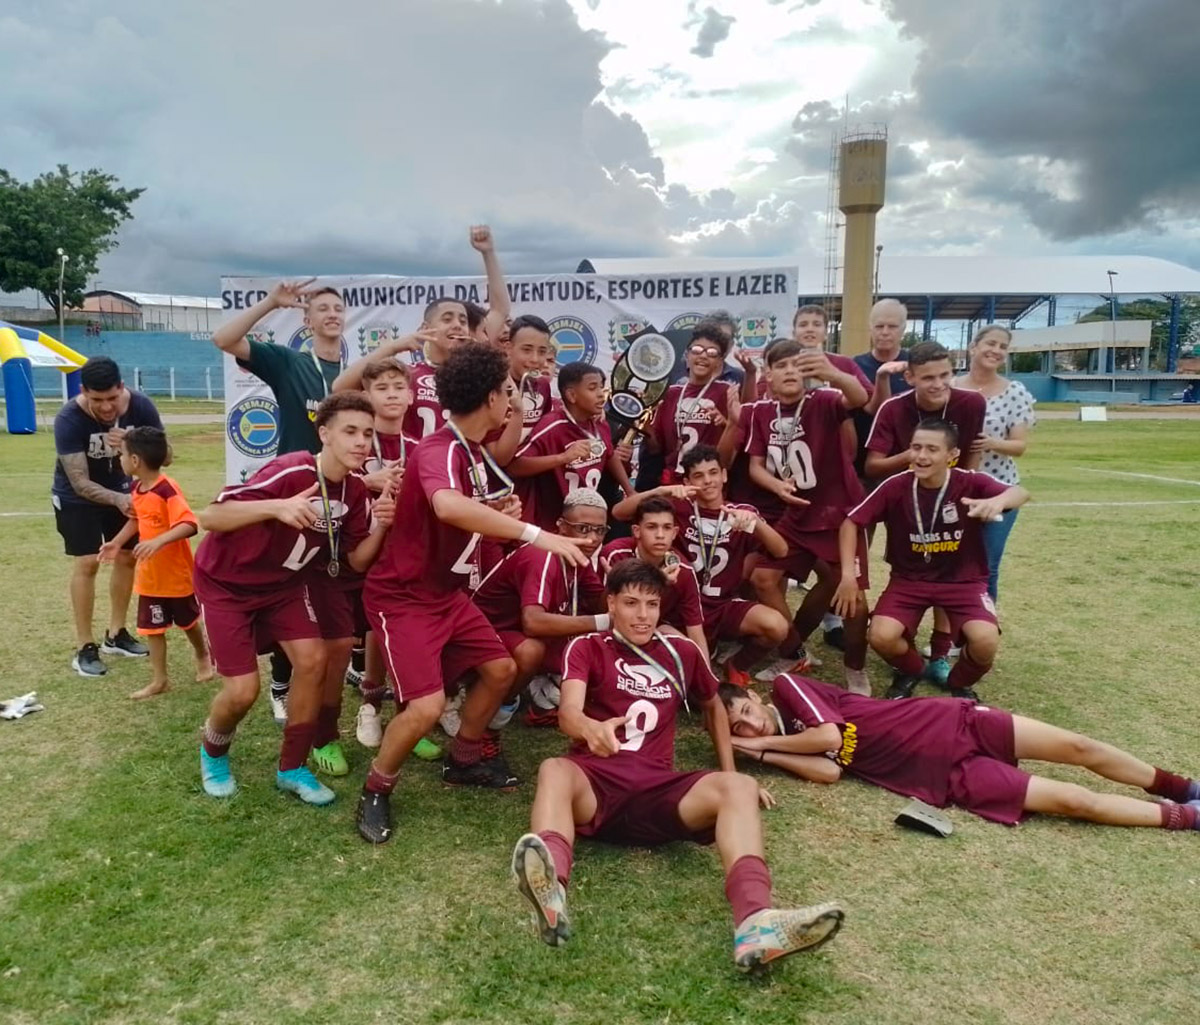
603 622
531 533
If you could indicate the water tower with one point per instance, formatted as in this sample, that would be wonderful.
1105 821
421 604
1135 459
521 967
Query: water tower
862 162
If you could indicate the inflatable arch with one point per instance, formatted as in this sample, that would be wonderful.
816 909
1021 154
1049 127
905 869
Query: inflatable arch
22 349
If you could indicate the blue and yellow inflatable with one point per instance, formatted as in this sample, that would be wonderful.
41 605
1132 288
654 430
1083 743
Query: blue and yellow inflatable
21 349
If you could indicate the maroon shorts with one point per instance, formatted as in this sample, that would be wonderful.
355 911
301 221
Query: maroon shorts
908 600
985 779
158 615
428 646
555 648
723 619
339 612
807 547
238 631
638 805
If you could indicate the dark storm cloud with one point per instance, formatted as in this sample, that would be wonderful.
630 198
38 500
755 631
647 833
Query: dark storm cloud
1106 91
713 30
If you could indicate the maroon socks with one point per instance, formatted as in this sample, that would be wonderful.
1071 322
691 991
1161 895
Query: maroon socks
940 643
561 851
464 751
1172 787
379 782
748 655
966 672
748 887
297 742
910 663
327 725
1178 816
215 744
372 694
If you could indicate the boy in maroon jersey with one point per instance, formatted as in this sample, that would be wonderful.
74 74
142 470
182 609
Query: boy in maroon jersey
654 532
800 452
529 347
416 597
622 689
254 570
536 602
697 410
570 447
810 329
949 752
720 537
934 515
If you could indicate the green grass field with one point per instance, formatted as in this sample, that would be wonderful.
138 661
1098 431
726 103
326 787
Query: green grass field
126 895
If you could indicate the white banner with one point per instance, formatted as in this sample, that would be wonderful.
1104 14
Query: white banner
589 315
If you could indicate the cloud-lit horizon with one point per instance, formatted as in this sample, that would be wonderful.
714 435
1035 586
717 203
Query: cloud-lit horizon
274 138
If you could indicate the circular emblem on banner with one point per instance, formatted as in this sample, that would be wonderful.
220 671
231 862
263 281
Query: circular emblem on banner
684 322
301 341
650 357
253 426
574 341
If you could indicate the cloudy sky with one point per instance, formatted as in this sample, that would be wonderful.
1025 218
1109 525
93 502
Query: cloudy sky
284 137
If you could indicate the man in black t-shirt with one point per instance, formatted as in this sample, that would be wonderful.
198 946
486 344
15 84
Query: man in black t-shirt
91 501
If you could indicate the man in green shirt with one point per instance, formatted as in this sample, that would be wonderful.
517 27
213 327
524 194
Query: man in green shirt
299 379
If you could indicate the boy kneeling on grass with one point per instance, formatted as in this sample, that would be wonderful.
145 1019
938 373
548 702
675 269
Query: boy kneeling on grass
162 579
622 689
949 751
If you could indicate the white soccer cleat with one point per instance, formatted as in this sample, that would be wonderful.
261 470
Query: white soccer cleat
533 870
774 933
857 682
450 720
367 727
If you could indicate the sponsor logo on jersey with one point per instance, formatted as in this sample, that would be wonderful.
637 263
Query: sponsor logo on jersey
574 341
642 680
756 330
949 513
336 511
253 426
301 341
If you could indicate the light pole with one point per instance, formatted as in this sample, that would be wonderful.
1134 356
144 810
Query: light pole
878 254
1112 319
62 269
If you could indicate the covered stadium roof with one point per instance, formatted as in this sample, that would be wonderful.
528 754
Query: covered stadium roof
155 299
953 287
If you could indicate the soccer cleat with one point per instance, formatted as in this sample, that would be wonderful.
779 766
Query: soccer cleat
738 677
836 638
857 682
799 665
278 706
937 672
304 785
504 715
354 678
541 718
967 693
544 691
488 773
87 661
427 750
367 727
374 816
125 644
450 720
777 932
215 775
331 759
902 687
533 871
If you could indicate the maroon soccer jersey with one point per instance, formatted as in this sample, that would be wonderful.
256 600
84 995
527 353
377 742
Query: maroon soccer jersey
952 540
719 559
535 403
897 419
543 495
389 449
682 420
804 441
908 747
425 415
424 559
269 556
681 604
530 576
622 683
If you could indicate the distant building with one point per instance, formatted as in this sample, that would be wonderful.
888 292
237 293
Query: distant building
147 311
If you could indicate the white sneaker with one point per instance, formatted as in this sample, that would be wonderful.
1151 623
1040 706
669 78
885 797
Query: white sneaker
725 651
954 651
801 664
278 708
857 682
367 727
503 715
544 692
450 720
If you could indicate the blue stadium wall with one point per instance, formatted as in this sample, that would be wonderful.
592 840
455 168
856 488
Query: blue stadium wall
154 352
